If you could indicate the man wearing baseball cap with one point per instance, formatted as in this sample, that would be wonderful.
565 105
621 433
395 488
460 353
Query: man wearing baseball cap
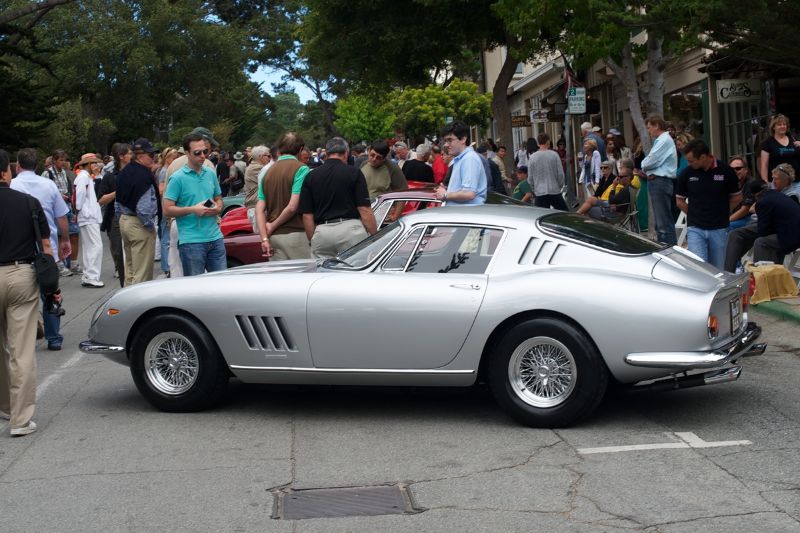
138 205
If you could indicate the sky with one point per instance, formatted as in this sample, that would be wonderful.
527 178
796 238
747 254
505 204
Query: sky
267 76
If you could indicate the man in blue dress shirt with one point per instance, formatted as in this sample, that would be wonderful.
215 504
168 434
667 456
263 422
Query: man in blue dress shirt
468 178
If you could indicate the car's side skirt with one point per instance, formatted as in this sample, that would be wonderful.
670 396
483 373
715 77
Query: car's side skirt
355 376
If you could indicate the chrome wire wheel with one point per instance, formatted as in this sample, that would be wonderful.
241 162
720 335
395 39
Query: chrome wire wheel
542 372
171 363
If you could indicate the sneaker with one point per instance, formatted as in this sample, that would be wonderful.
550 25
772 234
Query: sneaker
93 284
64 272
5 416
76 268
116 274
27 429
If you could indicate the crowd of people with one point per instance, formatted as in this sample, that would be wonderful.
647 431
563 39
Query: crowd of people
164 206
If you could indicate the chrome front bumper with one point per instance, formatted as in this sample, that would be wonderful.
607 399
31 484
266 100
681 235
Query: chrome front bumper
115 353
743 346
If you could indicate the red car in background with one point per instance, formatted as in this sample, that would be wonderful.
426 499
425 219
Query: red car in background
243 247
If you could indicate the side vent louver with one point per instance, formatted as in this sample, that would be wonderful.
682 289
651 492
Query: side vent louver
539 252
266 333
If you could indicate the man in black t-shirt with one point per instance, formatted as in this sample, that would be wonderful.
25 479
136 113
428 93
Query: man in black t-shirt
417 169
334 202
19 301
707 190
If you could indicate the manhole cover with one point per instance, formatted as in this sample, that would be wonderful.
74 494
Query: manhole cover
340 502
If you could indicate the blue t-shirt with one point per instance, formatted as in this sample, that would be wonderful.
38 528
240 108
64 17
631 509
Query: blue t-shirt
187 188
468 174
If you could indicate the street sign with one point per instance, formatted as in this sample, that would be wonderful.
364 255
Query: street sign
576 101
539 116
738 90
520 121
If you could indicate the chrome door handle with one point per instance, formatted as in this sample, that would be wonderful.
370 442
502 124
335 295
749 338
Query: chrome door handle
472 286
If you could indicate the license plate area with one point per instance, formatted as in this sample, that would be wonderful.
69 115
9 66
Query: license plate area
736 314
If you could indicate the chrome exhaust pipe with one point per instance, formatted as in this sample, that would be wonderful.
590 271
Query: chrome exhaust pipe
756 349
695 380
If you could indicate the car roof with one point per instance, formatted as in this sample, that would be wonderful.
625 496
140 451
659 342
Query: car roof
513 216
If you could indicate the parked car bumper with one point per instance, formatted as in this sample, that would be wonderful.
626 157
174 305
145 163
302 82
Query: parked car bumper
742 346
115 353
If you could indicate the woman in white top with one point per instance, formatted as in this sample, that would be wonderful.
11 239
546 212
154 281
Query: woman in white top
90 216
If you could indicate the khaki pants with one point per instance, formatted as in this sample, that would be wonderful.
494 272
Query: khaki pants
330 239
19 309
290 246
139 244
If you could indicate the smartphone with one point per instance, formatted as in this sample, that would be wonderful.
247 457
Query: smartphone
209 203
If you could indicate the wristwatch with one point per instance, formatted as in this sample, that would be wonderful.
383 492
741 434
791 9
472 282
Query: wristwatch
264 239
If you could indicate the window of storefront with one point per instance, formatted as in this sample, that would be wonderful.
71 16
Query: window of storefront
687 109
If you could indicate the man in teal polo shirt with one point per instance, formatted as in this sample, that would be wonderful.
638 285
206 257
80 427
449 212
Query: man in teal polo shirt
193 197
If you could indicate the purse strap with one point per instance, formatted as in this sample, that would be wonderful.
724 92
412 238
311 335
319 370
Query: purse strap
36 231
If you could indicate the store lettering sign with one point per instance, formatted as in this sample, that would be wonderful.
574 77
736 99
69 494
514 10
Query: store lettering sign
520 121
738 90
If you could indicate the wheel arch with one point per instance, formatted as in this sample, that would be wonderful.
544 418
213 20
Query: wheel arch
523 316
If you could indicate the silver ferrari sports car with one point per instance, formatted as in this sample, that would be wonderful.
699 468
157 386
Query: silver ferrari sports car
547 307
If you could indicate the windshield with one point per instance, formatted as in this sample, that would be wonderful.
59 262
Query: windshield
600 234
364 252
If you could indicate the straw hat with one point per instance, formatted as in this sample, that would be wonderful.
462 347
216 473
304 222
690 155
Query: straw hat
88 158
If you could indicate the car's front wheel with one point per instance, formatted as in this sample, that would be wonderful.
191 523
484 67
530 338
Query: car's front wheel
546 373
176 364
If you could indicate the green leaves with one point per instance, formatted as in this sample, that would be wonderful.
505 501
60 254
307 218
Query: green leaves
359 118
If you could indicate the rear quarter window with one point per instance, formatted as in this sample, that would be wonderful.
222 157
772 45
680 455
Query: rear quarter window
598 234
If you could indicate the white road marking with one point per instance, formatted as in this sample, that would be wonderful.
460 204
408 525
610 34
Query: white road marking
689 440
55 376
52 378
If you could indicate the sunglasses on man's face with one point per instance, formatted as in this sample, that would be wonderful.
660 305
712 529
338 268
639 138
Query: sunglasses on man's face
737 169
197 153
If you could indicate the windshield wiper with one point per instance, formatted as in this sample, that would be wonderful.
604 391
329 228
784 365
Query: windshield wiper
335 261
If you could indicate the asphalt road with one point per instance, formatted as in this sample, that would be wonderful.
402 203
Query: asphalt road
104 460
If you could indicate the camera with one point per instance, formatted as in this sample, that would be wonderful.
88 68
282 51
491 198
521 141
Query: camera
52 304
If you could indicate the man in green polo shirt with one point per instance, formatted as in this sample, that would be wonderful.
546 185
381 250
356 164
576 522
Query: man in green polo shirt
193 197
282 233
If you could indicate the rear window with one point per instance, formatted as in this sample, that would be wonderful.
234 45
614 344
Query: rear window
599 234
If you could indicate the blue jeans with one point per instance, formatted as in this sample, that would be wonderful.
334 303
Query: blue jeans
52 325
742 222
709 244
199 257
660 190
163 234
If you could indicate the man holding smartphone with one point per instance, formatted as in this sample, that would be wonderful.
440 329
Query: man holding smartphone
194 198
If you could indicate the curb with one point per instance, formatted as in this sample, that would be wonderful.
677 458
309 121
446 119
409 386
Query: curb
778 309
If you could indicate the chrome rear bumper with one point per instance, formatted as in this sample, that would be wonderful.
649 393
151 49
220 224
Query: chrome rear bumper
743 346
115 353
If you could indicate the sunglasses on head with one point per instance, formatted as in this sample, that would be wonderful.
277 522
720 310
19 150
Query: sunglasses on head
196 153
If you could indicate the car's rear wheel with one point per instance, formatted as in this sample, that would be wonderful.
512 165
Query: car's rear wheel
176 365
546 373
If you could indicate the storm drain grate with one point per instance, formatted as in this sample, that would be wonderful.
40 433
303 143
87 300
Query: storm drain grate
341 502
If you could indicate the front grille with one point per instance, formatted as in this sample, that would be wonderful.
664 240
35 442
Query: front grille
266 333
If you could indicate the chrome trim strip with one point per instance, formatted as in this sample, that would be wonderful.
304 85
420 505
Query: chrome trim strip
723 376
349 370
688 360
96 347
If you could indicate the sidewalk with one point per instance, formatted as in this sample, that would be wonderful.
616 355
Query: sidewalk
784 308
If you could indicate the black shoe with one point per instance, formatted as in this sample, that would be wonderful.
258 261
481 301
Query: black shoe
54 347
39 330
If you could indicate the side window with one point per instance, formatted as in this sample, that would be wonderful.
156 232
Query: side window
381 212
400 256
455 249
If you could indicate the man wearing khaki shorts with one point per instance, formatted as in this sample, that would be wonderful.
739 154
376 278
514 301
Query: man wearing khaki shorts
282 234
334 202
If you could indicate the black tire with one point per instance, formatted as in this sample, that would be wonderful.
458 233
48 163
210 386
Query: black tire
229 209
527 354
202 374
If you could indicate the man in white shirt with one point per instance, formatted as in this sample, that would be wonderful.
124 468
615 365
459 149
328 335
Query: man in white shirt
90 216
55 209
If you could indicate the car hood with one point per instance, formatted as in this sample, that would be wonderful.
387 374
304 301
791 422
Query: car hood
294 265
680 267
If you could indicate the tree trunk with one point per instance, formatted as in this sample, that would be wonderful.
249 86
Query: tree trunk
656 64
500 110
626 74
